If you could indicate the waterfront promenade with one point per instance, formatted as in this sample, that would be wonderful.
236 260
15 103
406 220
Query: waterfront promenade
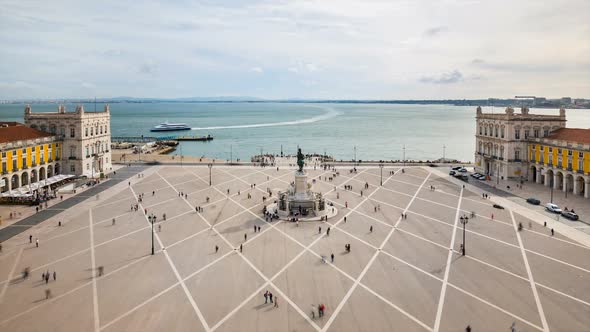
404 274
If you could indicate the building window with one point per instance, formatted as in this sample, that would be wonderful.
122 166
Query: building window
517 134
4 167
526 133
3 154
496 131
569 152
550 150
87 167
502 132
72 168
542 148
580 163
486 131
101 130
34 159
536 133
91 131
52 129
86 130
72 132
24 161
516 154
72 151
14 168
87 152
62 131
545 132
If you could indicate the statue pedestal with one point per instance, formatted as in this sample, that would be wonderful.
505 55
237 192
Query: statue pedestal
300 183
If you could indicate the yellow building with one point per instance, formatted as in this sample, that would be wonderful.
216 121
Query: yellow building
27 156
562 160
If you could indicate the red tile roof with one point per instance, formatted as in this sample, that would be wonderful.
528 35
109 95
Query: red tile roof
14 131
575 135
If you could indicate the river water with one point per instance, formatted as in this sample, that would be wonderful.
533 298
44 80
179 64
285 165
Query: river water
378 131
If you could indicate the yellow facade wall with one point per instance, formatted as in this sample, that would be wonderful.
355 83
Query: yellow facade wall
535 154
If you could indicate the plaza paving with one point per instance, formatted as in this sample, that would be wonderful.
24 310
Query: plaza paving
405 275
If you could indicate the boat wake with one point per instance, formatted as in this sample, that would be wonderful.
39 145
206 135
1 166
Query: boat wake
330 114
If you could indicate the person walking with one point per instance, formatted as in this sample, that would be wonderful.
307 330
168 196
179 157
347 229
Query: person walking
320 230
47 293
54 276
270 296
159 228
30 238
113 221
371 229
265 297
332 257
276 302
328 231
216 248
240 248
245 237
37 241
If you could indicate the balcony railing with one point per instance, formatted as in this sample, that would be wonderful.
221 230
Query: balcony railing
581 171
72 158
501 158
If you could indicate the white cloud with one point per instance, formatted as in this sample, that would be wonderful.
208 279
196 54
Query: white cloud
355 49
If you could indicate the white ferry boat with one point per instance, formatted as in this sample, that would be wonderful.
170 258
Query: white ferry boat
170 127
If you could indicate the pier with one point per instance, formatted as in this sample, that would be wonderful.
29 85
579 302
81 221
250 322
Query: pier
145 139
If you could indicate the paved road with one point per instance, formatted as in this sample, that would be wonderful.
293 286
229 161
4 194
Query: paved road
23 225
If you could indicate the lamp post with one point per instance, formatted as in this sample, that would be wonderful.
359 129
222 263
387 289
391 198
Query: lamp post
151 219
354 161
464 221
404 157
551 185
210 166
381 167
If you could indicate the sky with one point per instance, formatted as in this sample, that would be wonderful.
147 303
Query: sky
329 49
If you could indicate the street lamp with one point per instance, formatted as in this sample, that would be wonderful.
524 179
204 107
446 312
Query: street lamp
210 166
152 218
464 221
381 167
404 157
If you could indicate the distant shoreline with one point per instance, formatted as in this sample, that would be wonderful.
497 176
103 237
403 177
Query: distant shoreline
550 104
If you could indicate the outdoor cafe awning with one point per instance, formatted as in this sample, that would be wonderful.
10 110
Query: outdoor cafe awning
25 191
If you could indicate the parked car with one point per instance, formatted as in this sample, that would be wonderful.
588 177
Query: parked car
456 168
452 173
532 200
463 170
569 215
475 175
552 208
498 206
